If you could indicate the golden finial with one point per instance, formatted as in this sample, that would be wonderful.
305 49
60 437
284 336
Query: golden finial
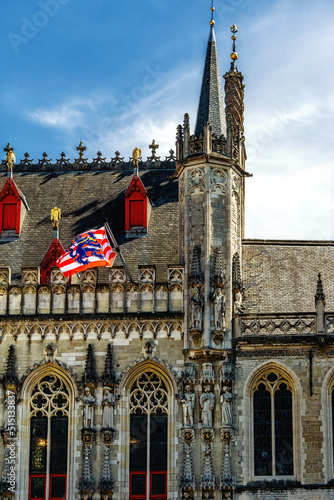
136 156
212 23
10 157
55 217
234 56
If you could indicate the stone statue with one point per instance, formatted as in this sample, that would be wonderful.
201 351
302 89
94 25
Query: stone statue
218 300
238 305
89 401
108 403
188 403
226 400
207 402
197 303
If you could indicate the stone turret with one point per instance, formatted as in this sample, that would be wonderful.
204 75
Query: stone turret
211 171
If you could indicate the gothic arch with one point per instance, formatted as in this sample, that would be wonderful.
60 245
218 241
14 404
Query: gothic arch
127 379
298 404
326 413
23 423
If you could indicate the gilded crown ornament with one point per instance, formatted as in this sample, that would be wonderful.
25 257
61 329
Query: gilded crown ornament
55 217
136 156
10 157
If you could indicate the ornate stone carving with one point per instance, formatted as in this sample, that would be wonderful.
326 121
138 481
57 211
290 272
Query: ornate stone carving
89 402
87 483
226 401
207 374
188 403
106 483
208 480
187 480
207 402
218 300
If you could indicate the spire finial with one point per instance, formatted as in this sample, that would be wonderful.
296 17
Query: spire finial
212 23
234 56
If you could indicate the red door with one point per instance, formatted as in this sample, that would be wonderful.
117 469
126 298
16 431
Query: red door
136 213
9 216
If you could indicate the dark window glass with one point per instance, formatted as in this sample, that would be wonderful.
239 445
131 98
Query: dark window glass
333 417
283 432
58 487
138 442
138 484
158 452
58 455
38 444
37 487
158 484
262 432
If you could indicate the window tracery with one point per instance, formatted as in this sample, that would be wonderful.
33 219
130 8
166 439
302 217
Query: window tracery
273 425
49 412
148 437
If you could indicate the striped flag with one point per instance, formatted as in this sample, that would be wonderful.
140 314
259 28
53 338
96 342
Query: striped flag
90 249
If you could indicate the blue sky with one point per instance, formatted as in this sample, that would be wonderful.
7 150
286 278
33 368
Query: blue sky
118 74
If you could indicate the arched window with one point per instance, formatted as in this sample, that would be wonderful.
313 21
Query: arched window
49 409
148 438
273 426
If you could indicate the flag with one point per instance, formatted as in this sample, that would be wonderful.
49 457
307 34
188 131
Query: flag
90 249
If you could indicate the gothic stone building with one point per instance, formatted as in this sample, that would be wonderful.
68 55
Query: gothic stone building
201 369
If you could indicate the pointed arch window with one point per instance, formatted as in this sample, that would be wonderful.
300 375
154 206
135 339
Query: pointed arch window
49 411
148 438
273 426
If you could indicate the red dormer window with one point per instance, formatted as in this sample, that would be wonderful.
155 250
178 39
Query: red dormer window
137 208
55 250
13 207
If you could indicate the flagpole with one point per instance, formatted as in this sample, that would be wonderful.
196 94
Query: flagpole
115 245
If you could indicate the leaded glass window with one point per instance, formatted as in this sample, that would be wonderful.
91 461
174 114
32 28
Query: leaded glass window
273 426
49 408
148 438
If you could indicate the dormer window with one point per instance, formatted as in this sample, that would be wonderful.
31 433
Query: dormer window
13 207
137 208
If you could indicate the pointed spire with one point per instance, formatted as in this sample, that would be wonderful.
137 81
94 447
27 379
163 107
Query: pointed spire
10 378
90 375
227 479
211 103
218 272
87 483
108 375
196 274
234 92
106 483
320 296
207 478
188 480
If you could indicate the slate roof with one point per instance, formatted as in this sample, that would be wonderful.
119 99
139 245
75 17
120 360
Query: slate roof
281 276
87 198
211 102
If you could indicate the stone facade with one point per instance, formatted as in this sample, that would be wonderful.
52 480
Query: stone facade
201 369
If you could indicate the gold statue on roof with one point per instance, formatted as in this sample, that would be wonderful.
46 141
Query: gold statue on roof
136 156
55 217
10 157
